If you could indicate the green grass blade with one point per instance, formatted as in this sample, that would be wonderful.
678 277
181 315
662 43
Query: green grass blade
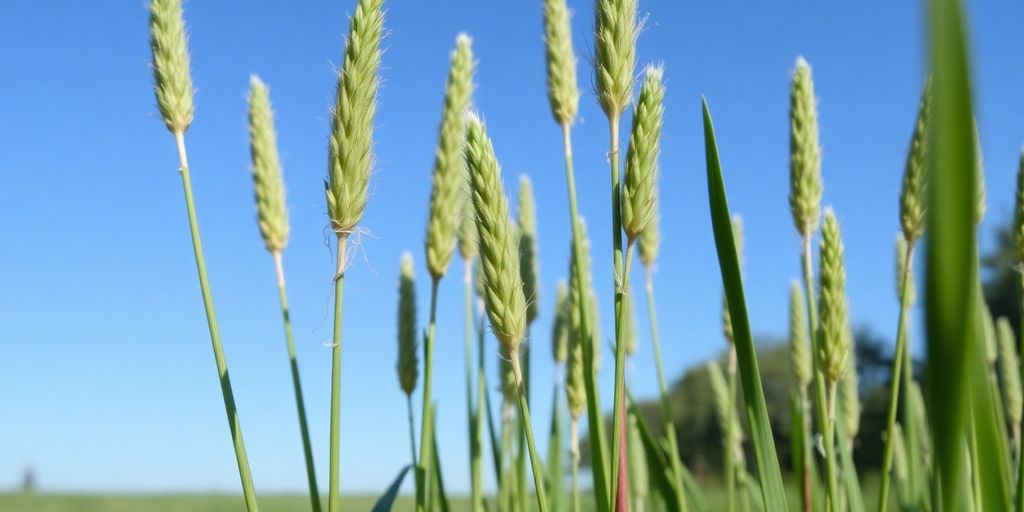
556 446
387 500
772 490
951 245
662 478
441 497
854 495
992 444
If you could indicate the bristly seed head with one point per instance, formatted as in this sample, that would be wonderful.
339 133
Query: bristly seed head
563 93
447 196
913 197
849 397
833 338
499 252
560 325
408 364
799 344
171 70
529 263
1009 370
804 152
650 237
616 31
350 148
467 229
266 168
638 188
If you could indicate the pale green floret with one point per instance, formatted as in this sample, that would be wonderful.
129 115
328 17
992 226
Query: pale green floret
834 342
467 230
266 168
499 252
849 398
171 70
799 345
913 197
350 147
737 234
408 363
1009 369
560 326
804 152
563 93
901 269
616 31
723 406
447 195
575 391
629 336
650 238
1018 210
638 188
529 266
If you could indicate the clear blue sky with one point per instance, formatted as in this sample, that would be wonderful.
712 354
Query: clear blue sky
106 376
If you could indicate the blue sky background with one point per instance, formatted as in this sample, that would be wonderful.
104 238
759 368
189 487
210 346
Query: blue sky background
106 375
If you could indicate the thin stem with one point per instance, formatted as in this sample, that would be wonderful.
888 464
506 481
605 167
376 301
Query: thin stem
805 440
812 325
730 432
574 447
475 463
894 391
428 364
334 496
666 405
620 492
300 403
484 401
595 417
830 449
248 491
412 429
524 416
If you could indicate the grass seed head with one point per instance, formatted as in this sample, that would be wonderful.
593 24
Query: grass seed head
560 326
350 147
834 341
499 251
171 70
650 237
723 406
1009 370
408 364
901 268
616 31
563 93
447 196
804 152
529 266
913 197
576 334
899 461
266 168
638 188
1018 210
799 345
989 328
467 230
849 397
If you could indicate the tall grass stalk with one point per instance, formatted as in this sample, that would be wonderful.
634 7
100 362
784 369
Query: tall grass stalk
173 87
563 95
273 222
473 410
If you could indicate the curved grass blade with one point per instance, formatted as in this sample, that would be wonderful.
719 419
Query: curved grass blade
992 444
854 495
772 490
387 500
951 245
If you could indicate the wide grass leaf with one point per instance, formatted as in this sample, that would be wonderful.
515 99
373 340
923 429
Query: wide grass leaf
387 500
767 459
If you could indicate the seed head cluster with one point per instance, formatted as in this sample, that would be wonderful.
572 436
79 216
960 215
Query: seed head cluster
799 345
408 363
834 340
266 168
529 265
913 196
638 188
804 152
563 93
615 36
171 69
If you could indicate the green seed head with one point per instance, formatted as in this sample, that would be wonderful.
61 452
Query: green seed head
447 195
615 53
724 407
499 251
650 238
913 197
899 461
350 148
576 334
804 152
834 341
799 345
266 168
1009 370
737 234
849 398
901 269
1018 210
560 326
171 70
575 391
638 187
529 267
563 92
509 388
408 365
991 343
467 230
